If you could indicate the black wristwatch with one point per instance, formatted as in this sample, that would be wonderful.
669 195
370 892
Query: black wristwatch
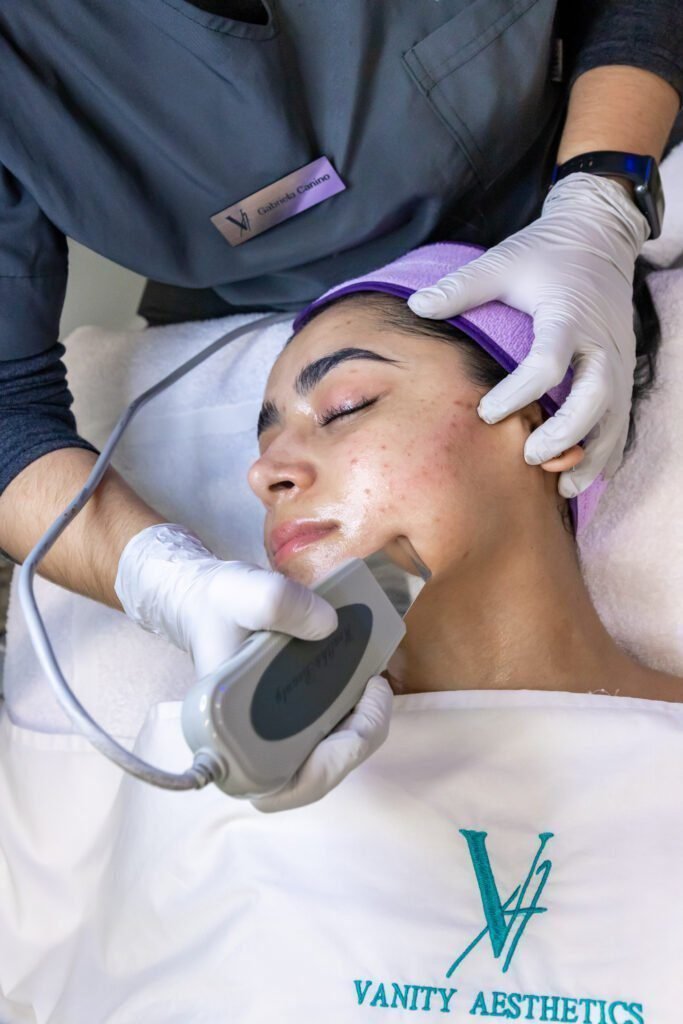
641 170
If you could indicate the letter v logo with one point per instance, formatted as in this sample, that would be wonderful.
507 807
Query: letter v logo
495 911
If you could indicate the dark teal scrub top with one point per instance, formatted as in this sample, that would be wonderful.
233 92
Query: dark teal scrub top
127 125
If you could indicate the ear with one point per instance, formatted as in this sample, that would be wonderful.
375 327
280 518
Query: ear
533 415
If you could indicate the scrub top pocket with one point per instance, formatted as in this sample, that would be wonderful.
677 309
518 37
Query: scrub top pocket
226 25
486 73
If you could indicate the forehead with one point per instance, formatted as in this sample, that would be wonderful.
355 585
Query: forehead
349 325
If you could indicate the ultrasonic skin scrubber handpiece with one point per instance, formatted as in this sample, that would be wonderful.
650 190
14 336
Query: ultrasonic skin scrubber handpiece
254 722
260 714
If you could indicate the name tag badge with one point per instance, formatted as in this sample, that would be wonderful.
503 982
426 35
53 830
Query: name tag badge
283 199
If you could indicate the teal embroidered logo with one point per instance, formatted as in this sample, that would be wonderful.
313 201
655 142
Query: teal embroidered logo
504 920
505 923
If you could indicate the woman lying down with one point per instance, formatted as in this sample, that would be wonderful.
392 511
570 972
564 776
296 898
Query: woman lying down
514 848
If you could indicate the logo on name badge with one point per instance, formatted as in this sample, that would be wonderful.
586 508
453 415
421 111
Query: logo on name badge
275 203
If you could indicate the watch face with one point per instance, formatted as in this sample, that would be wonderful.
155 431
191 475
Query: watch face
653 197
656 181
647 194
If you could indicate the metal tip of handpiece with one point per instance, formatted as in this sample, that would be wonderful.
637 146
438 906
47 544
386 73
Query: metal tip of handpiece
401 554
410 552
397 568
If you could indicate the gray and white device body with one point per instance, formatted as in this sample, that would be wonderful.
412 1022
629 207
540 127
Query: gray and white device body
262 712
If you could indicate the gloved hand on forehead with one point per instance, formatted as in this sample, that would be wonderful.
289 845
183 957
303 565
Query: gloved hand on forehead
170 584
572 271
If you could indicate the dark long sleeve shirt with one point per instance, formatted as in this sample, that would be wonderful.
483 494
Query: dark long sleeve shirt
128 126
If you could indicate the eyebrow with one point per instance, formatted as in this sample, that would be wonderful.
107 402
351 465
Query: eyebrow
267 417
312 374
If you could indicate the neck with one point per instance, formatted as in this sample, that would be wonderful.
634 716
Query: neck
522 619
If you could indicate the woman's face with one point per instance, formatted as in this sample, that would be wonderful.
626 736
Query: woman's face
368 434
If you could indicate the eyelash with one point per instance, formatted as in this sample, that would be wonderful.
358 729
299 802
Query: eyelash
341 410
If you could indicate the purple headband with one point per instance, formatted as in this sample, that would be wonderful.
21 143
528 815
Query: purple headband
504 332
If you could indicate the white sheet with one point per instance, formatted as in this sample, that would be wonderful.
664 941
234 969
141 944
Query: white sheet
196 909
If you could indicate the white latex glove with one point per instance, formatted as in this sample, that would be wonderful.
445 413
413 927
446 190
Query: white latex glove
170 584
572 271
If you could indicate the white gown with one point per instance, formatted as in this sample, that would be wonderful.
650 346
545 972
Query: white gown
504 854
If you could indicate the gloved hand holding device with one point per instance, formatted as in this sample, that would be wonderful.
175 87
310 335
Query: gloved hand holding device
170 584
572 270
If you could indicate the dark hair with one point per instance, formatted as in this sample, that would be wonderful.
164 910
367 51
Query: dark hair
486 372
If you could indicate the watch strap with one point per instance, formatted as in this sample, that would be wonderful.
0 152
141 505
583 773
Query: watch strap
607 162
641 169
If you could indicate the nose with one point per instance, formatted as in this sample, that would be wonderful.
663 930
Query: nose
275 476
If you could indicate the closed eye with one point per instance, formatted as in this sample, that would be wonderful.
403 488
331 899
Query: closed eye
345 410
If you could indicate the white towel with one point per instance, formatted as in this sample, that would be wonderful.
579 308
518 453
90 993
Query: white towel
632 550
665 250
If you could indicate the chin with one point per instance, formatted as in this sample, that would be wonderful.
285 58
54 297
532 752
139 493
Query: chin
301 571
301 574
309 565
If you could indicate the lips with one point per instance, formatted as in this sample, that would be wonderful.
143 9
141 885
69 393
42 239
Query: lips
291 537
